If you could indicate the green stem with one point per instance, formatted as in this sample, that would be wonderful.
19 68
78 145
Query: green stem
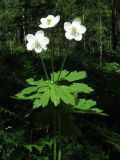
43 64
59 127
63 63
55 143
52 60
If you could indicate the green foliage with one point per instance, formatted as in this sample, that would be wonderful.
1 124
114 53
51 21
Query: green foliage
112 67
17 18
111 137
41 92
6 111
40 145
85 104
86 151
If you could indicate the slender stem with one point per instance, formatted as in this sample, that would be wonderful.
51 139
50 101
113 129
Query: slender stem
43 64
52 60
63 63
55 143
59 127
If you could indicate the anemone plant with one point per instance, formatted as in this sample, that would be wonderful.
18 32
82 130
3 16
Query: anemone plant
60 90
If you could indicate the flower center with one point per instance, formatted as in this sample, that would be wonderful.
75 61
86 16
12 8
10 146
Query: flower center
74 29
37 44
49 21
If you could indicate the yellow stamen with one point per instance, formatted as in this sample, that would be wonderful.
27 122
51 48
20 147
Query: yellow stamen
49 21
74 29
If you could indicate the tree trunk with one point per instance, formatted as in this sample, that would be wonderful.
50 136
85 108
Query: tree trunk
114 24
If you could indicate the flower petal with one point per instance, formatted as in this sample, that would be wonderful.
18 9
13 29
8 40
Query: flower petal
82 29
44 47
30 37
43 21
57 19
45 41
76 22
38 49
39 34
78 37
30 46
67 26
69 36
43 26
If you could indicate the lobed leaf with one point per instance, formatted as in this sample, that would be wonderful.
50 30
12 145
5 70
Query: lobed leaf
60 74
65 95
29 90
54 95
74 76
31 81
44 99
79 87
84 104
39 83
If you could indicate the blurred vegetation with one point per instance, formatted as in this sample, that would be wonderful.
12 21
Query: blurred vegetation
22 137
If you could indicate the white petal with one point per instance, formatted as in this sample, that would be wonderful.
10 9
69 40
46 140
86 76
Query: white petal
54 22
76 22
45 41
30 37
78 37
67 26
43 21
82 29
57 19
39 34
38 49
43 26
69 36
30 46
44 47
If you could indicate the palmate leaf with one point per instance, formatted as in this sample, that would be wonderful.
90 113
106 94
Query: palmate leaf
87 106
43 89
31 81
34 91
84 104
26 93
74 76
41 92
28 97
79 87
39 83
65 95
29 90
43 100
97 110
60 74
55 98
69 76
59 92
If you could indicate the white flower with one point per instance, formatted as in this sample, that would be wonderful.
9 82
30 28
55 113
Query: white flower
74 30
8 127
49 21
37 42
